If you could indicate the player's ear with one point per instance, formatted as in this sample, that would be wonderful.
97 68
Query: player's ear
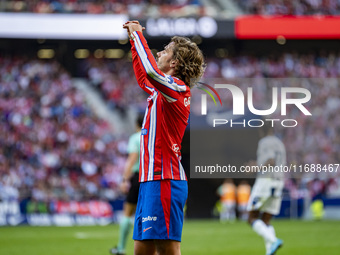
173 62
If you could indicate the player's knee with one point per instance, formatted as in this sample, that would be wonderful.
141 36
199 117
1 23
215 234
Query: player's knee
167 247
252 216
144 248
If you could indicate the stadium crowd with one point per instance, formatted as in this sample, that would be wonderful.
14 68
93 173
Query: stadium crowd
134 8
52 145
114 80
289 7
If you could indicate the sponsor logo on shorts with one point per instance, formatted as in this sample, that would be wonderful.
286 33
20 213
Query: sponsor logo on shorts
146 229
149 218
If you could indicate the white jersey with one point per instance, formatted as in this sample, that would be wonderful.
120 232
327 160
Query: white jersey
271 147
266 194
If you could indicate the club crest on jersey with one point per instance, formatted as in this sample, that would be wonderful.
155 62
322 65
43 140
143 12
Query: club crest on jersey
144 131
175 147
170 79
186 101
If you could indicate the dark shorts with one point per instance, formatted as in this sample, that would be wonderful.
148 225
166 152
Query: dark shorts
132 196
159 213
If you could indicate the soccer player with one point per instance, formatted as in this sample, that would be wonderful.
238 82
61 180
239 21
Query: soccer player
163 189
227 192
130 185
243 191
266 196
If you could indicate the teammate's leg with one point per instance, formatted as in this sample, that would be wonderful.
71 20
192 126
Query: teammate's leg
145 247
168 247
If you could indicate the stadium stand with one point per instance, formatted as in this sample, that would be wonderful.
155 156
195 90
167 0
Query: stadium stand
288 7
113 79
53 147
134 8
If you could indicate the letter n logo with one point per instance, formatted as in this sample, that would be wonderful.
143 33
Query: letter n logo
204 96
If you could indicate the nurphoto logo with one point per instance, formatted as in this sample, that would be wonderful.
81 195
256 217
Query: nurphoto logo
288 96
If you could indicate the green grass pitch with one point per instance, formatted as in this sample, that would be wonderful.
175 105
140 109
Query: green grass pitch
199 238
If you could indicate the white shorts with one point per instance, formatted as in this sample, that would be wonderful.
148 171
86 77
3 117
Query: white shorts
266 196
229 205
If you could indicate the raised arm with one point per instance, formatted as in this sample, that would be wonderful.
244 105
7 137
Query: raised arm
140 75
169 87
147 67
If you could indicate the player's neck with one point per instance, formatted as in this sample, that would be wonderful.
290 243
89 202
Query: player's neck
170 72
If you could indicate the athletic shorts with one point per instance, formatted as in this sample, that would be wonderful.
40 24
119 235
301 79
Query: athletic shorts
159 213
132 196
266 196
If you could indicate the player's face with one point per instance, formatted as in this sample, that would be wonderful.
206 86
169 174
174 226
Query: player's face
164 58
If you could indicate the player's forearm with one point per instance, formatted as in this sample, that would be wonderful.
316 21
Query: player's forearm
149 65
136 66
144 53
128 170
131 160
139 72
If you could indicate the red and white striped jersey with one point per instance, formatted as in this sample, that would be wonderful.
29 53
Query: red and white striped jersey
166 116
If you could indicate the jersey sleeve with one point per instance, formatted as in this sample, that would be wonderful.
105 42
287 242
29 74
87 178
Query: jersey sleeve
169 87
140 75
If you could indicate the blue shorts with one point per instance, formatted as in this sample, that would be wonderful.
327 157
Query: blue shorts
159 213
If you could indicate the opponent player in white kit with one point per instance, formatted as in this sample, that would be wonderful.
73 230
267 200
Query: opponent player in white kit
266 196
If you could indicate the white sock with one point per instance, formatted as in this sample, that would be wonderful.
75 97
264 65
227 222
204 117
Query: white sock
272 230
267 243
268 246
261 228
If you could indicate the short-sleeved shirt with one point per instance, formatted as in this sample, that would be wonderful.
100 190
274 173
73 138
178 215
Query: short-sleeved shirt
271 147
134 146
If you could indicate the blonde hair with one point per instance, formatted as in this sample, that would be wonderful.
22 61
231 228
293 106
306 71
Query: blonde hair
191 65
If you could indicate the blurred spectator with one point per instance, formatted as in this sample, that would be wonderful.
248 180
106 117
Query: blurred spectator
133 8
290 7
115 81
